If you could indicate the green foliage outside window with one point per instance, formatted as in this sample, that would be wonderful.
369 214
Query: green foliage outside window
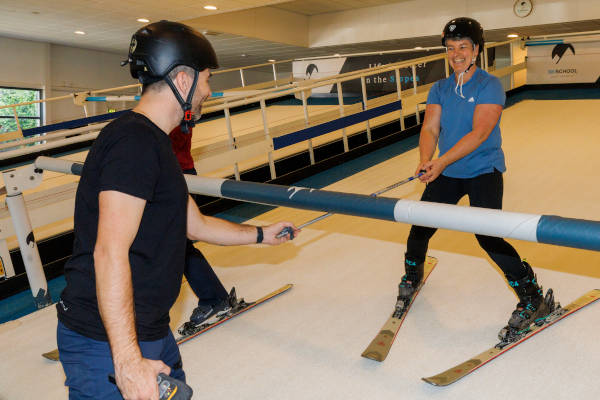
29 115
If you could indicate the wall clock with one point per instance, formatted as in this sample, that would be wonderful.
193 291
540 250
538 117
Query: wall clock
522 8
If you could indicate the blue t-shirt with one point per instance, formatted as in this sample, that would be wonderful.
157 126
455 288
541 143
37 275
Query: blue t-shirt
457 120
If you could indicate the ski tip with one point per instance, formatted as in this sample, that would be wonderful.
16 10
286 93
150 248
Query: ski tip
372 355
432 380
428 380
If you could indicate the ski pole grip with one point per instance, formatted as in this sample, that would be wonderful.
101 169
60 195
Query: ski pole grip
168 388
286 231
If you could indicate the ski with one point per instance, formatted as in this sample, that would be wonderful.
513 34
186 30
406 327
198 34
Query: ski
248 306
381 345
54 356
461 370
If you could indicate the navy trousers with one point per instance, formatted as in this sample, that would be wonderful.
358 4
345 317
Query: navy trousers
88 362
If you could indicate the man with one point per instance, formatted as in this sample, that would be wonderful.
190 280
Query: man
132 216
463 118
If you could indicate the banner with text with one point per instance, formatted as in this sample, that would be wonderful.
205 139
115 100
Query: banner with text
376 85
560 62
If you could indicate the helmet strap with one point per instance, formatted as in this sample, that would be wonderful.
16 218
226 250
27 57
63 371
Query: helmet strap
461 80
187 121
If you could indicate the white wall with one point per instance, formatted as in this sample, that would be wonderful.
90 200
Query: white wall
23 63
76 70
427 17
59 70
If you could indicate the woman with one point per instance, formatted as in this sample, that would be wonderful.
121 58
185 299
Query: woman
463 118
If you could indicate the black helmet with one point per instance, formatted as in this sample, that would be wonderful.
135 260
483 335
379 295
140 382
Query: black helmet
463 28
159 47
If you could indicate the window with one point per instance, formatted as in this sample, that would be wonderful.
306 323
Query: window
29 115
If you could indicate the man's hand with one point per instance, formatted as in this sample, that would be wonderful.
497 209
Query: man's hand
270 232
137 379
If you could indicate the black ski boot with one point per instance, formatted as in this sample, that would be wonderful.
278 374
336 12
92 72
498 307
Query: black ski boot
410 281
205 315
532 308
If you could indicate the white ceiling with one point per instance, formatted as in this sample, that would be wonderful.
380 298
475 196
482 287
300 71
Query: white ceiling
315 7
109 24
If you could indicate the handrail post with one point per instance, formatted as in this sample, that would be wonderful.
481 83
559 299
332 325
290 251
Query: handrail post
242 77
311 150
19 129
363 86
342 113
274 74
512 62
446 66
485 59
263 107
414 75
232 144
399 90
7 269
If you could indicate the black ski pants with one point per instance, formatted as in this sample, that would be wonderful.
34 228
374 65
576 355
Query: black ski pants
484 191
202 279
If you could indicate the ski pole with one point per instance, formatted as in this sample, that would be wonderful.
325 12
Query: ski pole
288 231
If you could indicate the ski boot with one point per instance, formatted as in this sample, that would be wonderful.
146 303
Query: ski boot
533 307
410 282
205 315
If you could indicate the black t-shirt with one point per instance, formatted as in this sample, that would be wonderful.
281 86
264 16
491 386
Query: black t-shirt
133 156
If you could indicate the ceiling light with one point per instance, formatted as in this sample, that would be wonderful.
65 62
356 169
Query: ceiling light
243 55
512 35
418 48
210 8
336 55
143 20
271 60
79 32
